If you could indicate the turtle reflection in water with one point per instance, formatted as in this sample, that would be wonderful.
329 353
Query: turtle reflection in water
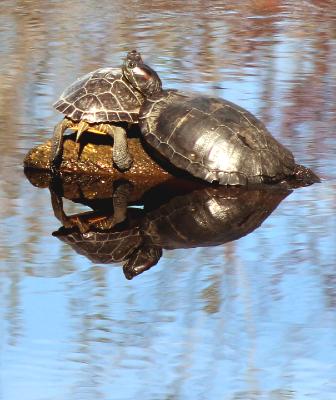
206 217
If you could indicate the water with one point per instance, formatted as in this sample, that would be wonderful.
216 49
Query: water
249 319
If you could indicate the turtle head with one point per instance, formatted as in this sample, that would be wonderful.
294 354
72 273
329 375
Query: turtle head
141 260
141 76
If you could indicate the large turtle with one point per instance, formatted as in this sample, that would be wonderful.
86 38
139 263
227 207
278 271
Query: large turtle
97 102
211 138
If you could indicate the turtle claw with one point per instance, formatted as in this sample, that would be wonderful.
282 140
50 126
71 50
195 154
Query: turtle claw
82 126
55 168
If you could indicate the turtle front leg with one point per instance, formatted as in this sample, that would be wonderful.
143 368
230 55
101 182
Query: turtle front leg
121 156
57 143
121 197
57 206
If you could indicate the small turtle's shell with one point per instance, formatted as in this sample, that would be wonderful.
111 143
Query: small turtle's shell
102 247
101 96
214 139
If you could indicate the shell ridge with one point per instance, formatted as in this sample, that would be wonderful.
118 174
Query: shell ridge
179 123
84 98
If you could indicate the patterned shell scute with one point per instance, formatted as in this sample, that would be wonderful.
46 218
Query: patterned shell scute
101 96
103 247
214 139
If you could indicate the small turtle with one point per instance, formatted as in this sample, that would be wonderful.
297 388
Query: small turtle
97 102
108 235
211 138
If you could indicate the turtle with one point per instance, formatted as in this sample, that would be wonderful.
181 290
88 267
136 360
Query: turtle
99 102
108 235
209 137
211 216
205 217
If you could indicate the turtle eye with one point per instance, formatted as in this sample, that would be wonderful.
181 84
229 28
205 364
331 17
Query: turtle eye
131 64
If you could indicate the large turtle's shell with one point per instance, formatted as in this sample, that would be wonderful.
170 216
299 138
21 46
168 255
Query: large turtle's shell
214 139
103 95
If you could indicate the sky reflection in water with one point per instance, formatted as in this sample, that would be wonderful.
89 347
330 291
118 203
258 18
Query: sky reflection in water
252 319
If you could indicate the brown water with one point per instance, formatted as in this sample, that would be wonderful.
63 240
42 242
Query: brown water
250 319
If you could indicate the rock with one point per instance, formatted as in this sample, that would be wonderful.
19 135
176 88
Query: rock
87 169
95 158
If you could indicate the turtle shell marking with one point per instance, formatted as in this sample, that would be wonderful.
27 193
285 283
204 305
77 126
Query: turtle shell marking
214 139
101 96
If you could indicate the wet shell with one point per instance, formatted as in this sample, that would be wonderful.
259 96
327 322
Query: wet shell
214 139
103 95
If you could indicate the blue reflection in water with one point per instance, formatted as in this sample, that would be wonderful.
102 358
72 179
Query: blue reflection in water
252 319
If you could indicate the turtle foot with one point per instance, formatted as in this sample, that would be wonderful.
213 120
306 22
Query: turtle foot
124 164
55 170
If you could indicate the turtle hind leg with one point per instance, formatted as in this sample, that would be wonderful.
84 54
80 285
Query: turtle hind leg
121 156
121 195
57 143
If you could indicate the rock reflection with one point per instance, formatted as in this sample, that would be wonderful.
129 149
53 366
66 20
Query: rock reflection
117 232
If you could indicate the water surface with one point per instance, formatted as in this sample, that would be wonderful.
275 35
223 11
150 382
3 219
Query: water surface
250 319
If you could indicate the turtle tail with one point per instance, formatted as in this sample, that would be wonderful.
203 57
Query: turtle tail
305 176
